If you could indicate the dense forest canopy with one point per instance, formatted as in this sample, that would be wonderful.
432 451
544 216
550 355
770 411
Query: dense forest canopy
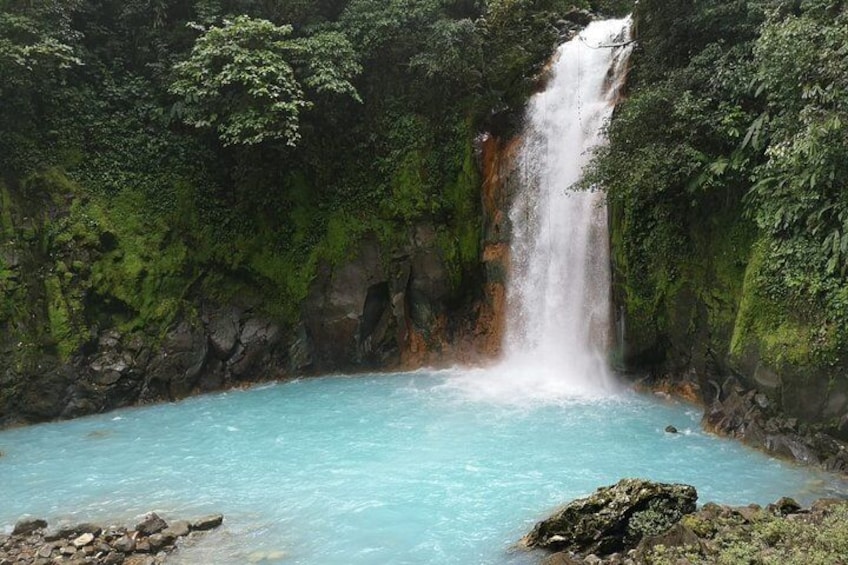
228 147
734 141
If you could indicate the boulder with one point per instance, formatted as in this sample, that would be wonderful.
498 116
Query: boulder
561 558
152 524
223 328
784 506
124 544
27 526
678 535
207 522
177 529
614 518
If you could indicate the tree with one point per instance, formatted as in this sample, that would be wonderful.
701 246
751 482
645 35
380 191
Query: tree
801 196
248 79
27 51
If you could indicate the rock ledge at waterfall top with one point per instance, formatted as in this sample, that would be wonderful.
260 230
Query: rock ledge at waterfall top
636 522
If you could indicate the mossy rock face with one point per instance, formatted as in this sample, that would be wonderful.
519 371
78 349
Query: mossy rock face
614 518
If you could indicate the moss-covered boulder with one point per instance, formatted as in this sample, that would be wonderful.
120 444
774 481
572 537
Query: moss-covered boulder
613 518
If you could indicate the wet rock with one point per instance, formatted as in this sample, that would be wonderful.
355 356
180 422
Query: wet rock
27 526
670 429
223 328
749 416
124 544
784 506
561 558
177 529
577 16
207 522
258 340
157 542
300 350
614 518
173 372
152 524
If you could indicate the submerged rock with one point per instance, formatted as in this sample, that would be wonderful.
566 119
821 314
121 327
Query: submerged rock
613 518
207 522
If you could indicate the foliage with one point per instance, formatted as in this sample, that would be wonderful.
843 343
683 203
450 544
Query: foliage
801 197
248 79
311 124
767 540
735 117
27 49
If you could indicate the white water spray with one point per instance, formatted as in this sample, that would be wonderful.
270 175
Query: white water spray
558 317
558 299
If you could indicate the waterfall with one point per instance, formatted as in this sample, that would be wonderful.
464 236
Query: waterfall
558 305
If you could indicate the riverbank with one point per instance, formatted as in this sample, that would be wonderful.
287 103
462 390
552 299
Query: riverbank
732 410
148 543
636 522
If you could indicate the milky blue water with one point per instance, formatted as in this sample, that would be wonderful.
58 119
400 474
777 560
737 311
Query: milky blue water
401 469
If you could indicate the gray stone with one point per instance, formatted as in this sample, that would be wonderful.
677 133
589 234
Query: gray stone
177 529
207 522
114 558
677 536
83 540
27 526
561 558
614 518
223 328
142 546
84 528
670 429
124 544
152 524
784 506
157 542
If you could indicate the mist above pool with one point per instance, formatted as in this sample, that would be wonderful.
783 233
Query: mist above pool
407 468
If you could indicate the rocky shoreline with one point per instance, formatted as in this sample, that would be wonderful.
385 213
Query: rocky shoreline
637 522
148 543
732 410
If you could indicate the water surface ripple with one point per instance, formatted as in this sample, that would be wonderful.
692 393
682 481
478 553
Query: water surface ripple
405 468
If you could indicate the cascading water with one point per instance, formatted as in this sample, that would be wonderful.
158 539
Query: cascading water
558 301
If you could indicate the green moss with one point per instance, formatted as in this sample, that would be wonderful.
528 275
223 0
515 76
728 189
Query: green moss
409 196
7 226
768 326
768 539
61 316
52 181
142 263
